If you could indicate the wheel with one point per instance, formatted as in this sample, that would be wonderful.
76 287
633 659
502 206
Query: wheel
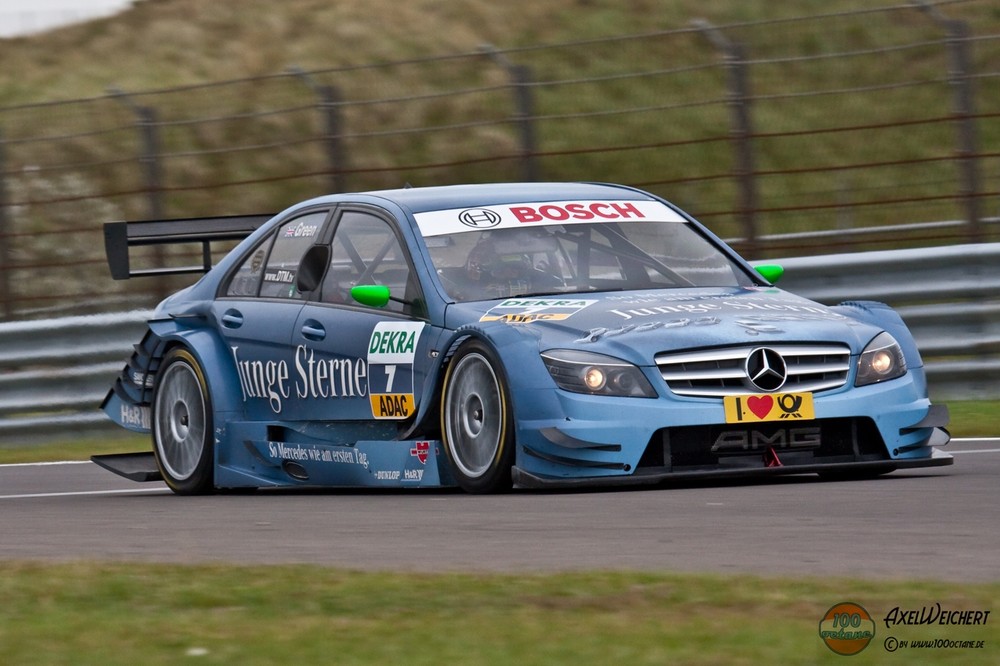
477 421
182 425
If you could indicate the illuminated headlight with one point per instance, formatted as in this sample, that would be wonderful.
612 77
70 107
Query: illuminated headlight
596 374
882 359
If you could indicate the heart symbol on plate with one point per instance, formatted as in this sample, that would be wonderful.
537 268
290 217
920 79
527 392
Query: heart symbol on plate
760 405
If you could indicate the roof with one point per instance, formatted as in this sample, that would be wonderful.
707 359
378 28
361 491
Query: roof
423 199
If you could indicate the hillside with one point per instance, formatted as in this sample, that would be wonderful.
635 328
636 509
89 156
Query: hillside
165 43
851 114
162 43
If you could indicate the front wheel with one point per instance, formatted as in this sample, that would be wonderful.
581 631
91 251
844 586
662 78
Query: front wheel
476 420
182 425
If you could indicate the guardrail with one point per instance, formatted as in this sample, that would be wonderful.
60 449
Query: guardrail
54 373
948 296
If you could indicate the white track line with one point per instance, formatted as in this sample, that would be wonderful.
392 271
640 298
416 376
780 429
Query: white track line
43 464
129 491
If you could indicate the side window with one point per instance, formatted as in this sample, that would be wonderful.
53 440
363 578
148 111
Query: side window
291 242
246 279
366 251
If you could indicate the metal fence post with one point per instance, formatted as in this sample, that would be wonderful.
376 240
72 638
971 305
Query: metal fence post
741 128
149 158
146 120
330 102
524 108
6 306
960 79
330 105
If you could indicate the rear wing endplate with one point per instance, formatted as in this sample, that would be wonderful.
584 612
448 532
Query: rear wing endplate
120 237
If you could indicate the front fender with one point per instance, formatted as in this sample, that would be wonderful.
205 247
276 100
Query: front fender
883 316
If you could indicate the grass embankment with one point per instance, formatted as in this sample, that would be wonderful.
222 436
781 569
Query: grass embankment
589 102
104 614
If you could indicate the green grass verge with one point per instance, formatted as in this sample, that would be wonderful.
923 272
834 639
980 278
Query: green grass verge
80 449
86 613
980 418
90 613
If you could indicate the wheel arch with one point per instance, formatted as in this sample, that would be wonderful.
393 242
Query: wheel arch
493 336
496 475
216 366
427 422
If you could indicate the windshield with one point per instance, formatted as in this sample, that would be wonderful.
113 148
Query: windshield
578 258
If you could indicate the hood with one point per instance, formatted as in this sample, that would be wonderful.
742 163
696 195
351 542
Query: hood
638 324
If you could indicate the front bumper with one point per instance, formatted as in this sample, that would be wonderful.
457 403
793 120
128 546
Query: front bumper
645 477
572 439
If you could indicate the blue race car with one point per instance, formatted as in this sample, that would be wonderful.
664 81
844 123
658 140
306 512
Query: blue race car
484 336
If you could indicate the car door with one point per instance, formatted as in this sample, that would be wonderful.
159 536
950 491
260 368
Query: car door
355 362
257 312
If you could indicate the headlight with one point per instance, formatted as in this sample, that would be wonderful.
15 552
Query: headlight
882 359
596 374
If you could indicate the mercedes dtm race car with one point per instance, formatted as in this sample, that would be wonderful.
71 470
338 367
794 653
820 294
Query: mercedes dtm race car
486 336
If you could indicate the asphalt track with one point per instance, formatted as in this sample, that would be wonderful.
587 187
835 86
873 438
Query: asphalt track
939 523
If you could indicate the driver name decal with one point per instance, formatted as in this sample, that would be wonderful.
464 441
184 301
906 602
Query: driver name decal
527 310
391 350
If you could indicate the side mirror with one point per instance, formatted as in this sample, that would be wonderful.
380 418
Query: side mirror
372 295
311 268
770 272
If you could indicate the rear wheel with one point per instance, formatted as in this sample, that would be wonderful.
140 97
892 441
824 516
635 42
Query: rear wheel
476 420
182 425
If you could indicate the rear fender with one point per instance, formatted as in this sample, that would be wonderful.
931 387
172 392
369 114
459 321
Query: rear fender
129 401
216 363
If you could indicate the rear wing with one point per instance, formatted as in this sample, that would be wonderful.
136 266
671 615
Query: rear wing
120 237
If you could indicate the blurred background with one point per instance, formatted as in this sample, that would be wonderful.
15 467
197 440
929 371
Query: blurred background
790 129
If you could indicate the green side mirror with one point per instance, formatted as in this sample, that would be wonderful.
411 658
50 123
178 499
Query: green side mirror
771 272
372 295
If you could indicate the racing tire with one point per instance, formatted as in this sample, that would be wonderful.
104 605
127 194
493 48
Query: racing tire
477 420
182 425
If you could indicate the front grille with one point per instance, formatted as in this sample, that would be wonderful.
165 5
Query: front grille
721 372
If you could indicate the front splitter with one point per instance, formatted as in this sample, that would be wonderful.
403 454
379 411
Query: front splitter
525 479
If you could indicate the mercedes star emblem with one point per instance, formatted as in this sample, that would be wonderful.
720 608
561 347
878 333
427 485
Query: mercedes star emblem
766 370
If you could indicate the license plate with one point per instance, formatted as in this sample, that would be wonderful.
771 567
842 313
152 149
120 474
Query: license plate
769 407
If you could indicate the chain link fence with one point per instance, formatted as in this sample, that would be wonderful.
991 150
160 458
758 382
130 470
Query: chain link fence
788 137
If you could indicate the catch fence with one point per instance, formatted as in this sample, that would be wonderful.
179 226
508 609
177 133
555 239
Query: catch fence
822 140
54 373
